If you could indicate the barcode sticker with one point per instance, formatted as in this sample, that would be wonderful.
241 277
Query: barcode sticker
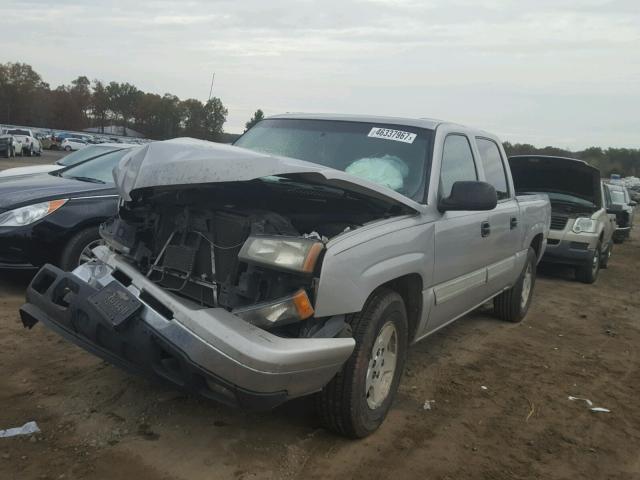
389 134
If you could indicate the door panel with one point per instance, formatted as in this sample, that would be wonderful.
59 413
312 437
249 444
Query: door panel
506 238
461 261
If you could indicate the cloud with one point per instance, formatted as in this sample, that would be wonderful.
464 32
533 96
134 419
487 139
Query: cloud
514 66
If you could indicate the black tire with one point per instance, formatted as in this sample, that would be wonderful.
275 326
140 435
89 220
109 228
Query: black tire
589 272
511 306
604 259
343 405
70 257
67 148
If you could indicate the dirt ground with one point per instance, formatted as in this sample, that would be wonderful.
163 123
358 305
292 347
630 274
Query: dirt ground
501 407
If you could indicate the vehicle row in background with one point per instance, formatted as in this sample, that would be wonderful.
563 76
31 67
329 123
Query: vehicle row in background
48 139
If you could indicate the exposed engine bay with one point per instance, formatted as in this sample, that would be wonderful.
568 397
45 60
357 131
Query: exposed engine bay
237 244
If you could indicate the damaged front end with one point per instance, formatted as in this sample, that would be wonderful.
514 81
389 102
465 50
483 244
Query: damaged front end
211 285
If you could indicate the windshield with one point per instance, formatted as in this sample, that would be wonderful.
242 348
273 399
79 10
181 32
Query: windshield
617 196
86 154
17 131
98 170
394 156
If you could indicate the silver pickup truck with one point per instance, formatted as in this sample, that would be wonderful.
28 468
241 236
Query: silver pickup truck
303 260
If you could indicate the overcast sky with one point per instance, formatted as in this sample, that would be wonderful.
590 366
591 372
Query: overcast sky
565 73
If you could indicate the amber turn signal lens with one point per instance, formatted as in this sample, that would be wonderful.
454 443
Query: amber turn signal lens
302 304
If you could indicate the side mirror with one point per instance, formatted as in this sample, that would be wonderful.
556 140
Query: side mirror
469 196
633 203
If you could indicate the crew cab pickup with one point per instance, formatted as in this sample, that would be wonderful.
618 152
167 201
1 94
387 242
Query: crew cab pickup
303 260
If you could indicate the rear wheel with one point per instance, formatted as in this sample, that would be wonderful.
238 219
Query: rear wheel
357 400
67 148
513 304
589 272
78 249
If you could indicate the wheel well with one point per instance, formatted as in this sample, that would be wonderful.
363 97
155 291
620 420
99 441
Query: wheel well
536 244
409 287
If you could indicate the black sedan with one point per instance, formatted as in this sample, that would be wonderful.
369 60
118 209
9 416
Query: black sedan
54 217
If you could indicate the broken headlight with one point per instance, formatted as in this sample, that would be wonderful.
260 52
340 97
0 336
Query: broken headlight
287 253
281 311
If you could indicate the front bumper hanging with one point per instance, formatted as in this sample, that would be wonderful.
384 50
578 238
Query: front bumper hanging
111 310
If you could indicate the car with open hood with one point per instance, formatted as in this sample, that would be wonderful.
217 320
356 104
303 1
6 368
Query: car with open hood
581 233
304 259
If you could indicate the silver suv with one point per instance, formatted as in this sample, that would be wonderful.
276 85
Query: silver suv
581 233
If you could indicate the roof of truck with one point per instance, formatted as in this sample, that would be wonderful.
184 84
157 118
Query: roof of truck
428 123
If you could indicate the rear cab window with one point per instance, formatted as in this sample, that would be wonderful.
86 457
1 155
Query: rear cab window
493 165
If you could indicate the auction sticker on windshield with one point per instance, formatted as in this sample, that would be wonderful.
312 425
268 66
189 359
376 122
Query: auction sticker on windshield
389 134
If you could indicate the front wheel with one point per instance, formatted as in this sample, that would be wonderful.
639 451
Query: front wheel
357 400
589 272
513 304
67 148
78 249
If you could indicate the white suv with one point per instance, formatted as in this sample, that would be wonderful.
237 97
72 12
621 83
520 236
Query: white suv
69 144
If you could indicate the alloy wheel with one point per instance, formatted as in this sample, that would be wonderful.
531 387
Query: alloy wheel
382 366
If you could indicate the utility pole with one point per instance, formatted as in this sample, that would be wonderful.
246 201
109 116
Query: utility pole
211 89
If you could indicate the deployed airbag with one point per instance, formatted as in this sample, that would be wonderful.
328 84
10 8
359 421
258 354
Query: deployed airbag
388 171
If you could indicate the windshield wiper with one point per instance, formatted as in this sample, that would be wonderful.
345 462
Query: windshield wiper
87 179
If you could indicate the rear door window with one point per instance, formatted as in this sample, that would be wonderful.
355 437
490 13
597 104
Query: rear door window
493 165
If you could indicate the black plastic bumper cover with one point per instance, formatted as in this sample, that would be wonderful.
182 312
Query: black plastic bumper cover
60 301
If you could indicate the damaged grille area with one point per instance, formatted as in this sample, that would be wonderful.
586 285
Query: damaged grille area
188 240
199 254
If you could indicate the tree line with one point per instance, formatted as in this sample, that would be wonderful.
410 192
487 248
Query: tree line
26 99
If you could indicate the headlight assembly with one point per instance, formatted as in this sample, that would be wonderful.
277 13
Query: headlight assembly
584 225
287 253
31 213
282 311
